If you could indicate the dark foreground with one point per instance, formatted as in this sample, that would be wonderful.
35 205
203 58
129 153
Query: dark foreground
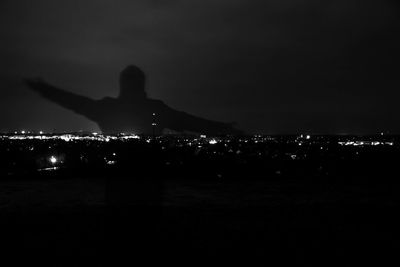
287 211
73 225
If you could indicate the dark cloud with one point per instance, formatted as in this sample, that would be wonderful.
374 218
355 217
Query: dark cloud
272 66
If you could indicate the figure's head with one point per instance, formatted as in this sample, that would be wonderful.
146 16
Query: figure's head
132 83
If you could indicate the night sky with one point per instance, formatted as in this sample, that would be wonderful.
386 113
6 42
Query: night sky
273 66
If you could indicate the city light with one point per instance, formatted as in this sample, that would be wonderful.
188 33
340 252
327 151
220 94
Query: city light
201 140
365 143
69 137
51 150
66 138
212 142
53 160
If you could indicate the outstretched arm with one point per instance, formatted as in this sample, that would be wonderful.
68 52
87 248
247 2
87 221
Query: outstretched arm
183 121
79 104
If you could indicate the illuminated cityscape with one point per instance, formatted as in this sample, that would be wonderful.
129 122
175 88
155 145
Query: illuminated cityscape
255 156
199 133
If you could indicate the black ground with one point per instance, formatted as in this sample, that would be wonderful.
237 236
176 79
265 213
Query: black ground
140 211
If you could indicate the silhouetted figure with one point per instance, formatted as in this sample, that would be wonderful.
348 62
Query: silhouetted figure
132 111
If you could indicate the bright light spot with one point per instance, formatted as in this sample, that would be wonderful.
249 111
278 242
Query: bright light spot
49 169
212 142
364 143
95 133
41 132
23 132
53 159
203 136
308 137
66 137
154 114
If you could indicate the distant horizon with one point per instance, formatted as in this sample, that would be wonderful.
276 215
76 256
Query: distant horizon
87 132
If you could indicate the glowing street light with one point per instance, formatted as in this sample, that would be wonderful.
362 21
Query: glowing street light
213 142
154 124
53 160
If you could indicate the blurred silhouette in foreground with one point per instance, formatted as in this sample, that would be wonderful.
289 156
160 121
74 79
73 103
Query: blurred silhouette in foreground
132 111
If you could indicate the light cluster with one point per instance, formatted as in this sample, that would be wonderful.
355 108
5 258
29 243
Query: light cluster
365 143
70 137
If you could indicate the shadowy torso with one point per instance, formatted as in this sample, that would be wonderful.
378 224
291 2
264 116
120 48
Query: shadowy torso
116 116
